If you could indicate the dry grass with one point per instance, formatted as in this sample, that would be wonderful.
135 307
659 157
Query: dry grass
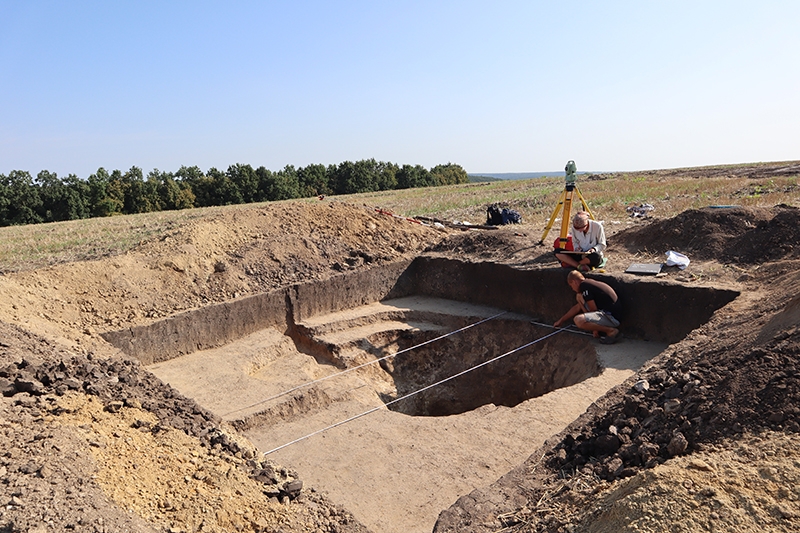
608 196
40 245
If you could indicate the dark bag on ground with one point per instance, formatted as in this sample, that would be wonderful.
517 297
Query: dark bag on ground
500 216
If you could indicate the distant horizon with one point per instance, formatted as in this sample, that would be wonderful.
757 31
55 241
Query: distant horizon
523 175
630 85
559 173
496 175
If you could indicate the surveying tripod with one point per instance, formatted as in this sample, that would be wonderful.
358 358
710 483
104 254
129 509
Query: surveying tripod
565 204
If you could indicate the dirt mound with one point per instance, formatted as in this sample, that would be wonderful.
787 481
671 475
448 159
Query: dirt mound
735 485
512 245
712 387
95 443
729 234
231 254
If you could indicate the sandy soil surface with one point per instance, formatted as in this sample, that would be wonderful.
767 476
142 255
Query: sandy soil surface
394 472
95 442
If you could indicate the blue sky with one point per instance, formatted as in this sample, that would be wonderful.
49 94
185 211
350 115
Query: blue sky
502 86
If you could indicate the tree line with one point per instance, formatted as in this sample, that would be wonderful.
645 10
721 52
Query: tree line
48 198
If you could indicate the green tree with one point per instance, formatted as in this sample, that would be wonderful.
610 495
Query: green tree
341 177
246 182
105 193
140 196
196 183
413 176
449 174
312 181
171 194
4 200
266 183
51 192
287 183
361 176
387 176
281 185
116 189
22 200
78 197
366 175
223 190
62 200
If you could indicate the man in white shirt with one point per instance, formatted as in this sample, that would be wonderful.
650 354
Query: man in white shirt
588 242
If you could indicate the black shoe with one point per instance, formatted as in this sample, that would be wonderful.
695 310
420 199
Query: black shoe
608 339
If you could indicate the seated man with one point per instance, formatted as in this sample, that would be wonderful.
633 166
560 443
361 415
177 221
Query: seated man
597 303
588 241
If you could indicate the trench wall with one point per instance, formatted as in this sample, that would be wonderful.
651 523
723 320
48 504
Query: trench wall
219 324
557 362
654 309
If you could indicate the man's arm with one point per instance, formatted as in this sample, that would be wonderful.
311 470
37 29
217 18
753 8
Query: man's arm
600 245
569 315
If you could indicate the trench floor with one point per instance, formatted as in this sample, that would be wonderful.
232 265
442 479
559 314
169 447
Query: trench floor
394 472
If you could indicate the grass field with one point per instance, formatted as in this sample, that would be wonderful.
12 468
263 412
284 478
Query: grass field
608 195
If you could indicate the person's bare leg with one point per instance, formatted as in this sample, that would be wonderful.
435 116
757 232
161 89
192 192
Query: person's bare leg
596 329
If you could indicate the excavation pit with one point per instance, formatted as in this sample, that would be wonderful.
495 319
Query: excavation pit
240 357
658 310
492 365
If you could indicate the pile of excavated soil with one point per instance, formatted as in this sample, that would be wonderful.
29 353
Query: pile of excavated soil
729 234
100 444
92 442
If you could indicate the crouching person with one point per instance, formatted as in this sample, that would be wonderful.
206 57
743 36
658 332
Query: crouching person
597 303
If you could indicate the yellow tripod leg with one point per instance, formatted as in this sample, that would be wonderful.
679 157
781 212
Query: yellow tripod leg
585 205
553 216
565 220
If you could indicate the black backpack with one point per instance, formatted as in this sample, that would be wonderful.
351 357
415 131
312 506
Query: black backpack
500 216
494 215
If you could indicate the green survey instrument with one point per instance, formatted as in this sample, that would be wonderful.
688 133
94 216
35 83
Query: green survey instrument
564 205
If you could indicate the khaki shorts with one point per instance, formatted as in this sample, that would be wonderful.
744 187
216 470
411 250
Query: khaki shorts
601 318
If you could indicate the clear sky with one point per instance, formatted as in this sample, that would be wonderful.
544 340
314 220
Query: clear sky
495 86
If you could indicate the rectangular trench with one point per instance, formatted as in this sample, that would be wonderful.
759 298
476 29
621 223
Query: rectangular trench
655 310
430 459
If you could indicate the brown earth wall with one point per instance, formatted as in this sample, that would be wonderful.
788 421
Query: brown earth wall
202 328
654 310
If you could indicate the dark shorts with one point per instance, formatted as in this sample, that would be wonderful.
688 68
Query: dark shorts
594 259
601 318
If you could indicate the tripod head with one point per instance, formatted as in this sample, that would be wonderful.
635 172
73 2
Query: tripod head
565 204
570 170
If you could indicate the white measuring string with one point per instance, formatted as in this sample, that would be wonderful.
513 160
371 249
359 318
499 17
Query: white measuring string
365 413
309 383
567 328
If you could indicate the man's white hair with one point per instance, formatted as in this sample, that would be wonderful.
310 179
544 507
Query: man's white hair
580 219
